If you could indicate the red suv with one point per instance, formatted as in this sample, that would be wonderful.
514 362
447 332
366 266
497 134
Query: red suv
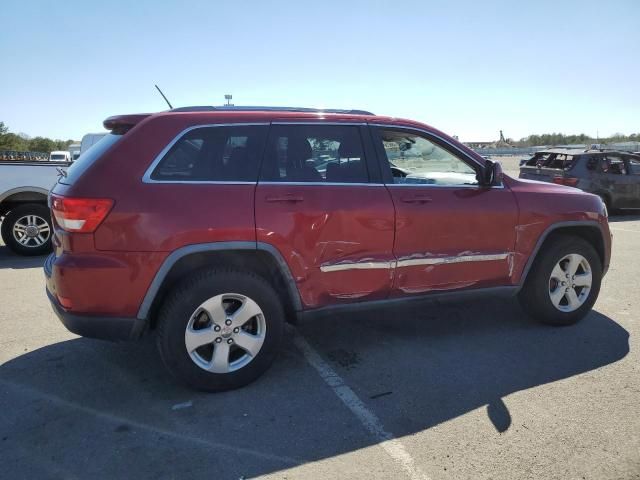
212 226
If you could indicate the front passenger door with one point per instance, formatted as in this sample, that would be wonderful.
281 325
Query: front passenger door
451 232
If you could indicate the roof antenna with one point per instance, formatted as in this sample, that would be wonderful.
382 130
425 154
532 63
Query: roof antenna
165 98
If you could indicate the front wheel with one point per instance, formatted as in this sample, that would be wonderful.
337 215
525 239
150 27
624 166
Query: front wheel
27 229
564 282
220 330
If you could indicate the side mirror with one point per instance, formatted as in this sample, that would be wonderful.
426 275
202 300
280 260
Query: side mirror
493 174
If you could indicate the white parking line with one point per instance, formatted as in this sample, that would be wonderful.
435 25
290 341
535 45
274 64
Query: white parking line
623 229
369 420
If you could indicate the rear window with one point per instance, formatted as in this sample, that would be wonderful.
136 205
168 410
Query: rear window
87 158
213 154
538 159
57 156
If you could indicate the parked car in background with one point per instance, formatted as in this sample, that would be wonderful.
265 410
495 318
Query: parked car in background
60 156
212 226
612 175
26 226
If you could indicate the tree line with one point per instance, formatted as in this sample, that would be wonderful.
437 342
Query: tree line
24 143
562 139
21 142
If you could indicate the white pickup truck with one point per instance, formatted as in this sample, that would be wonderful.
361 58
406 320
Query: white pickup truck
26 221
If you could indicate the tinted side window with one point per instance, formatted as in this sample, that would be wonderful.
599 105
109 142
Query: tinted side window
538 160
560 161
414 159
613 164
592 162
314 153
230 154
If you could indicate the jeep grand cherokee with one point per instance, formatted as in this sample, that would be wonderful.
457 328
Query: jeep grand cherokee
211 226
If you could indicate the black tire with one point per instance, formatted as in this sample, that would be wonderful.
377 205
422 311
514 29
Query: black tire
15 215
534 296
606 200
181 304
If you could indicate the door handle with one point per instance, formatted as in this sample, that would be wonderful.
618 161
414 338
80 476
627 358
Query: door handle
287 198
416 199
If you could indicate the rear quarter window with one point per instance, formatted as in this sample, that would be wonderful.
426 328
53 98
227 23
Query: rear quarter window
212 154
561 161
88 158
538 160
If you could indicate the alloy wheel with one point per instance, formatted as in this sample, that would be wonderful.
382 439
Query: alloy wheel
31 231
225 333
570 282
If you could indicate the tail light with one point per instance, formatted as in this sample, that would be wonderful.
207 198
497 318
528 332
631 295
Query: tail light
81 215
568 181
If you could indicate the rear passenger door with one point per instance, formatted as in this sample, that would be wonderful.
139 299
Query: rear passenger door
320 201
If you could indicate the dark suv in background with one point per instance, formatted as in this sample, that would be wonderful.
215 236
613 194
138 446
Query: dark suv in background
211 227
612 175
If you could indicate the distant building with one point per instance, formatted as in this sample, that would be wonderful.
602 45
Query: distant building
501 143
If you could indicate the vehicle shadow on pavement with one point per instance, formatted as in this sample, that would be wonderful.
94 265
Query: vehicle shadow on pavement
8 259
84 408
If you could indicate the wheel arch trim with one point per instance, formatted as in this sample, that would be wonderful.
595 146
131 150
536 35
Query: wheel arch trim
176 255
28 189
549 230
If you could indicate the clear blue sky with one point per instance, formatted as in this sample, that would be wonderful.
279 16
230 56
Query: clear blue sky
468 67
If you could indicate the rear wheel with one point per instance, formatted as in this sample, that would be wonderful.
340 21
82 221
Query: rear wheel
564 282
220 329
27 229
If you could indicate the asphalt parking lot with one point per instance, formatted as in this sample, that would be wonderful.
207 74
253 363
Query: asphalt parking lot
453 391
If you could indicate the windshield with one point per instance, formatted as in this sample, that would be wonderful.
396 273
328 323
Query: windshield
86 159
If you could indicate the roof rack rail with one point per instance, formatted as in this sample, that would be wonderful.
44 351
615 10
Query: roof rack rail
234 108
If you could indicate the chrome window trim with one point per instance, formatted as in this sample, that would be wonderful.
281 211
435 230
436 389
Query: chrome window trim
316 184
203 182
411 262
444 140
146 178
319 122
480 187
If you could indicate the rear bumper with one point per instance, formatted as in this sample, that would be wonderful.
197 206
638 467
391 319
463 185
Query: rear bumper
92 326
